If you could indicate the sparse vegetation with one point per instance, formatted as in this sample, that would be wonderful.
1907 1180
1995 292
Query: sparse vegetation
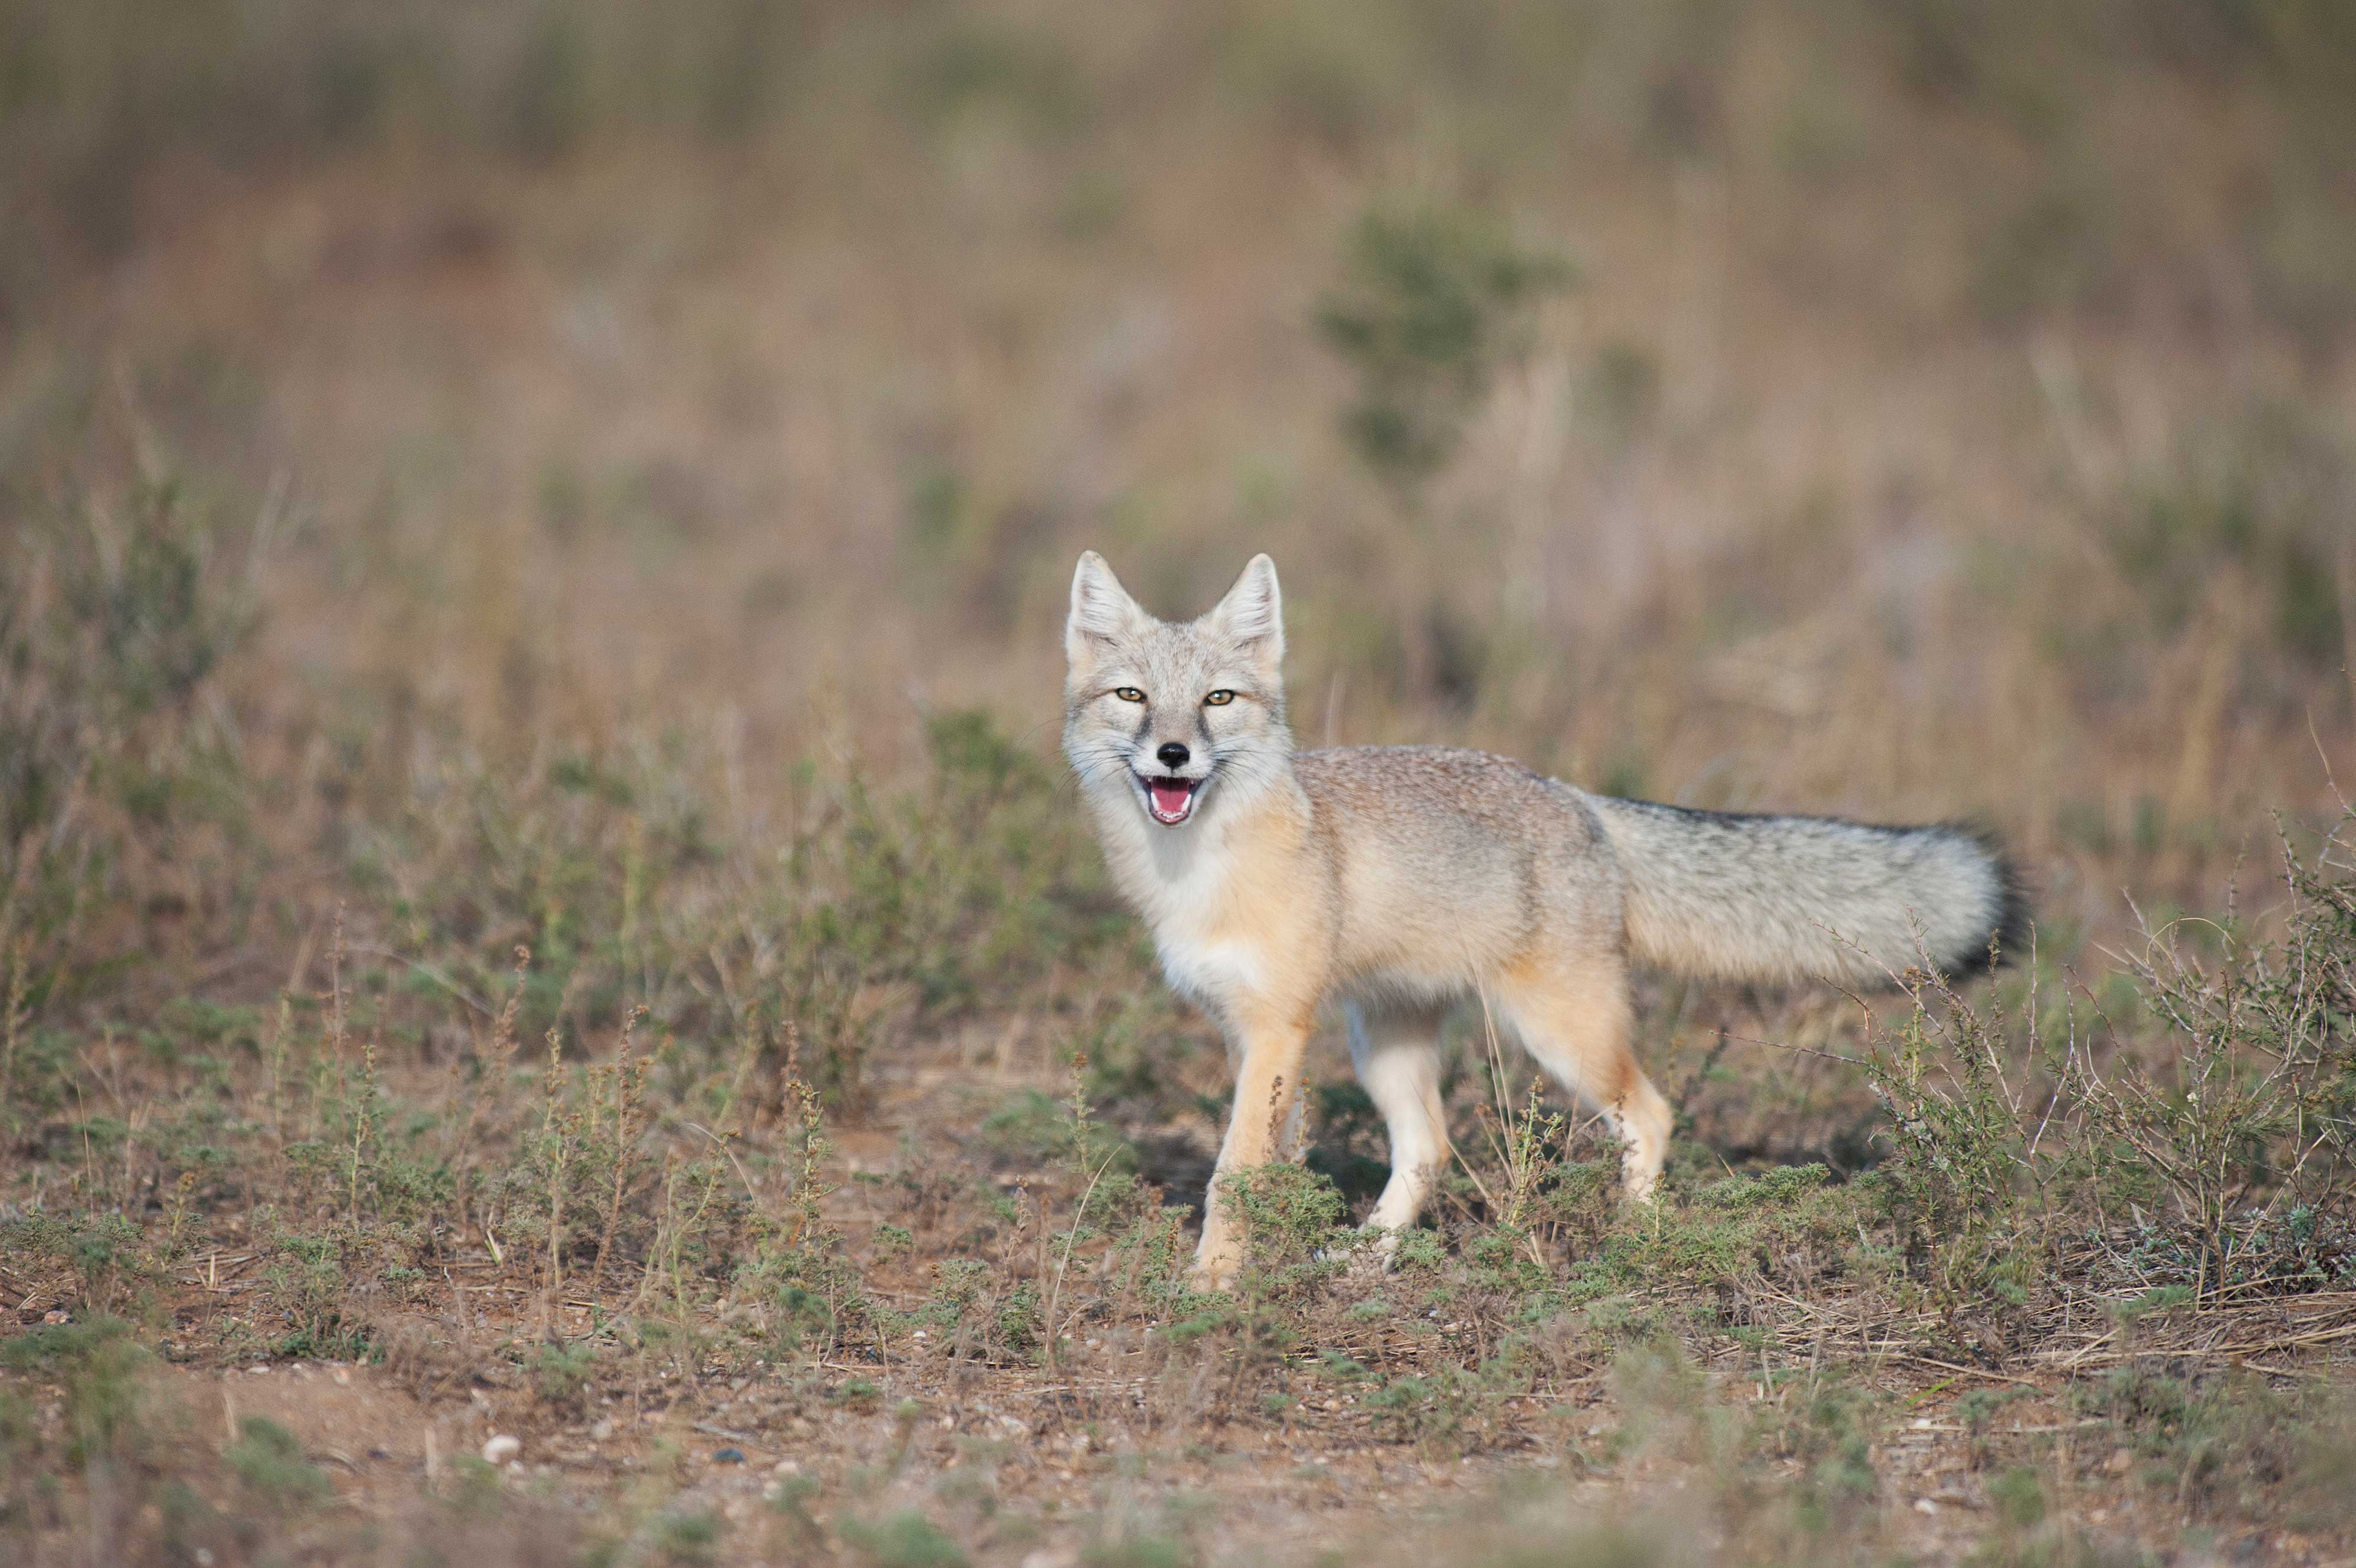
536 902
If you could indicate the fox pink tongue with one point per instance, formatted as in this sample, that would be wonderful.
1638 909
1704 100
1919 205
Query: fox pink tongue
1169 796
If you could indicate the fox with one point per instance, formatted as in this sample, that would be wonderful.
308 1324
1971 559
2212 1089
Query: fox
1400 881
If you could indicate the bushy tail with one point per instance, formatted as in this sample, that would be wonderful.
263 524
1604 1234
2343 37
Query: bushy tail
1751 897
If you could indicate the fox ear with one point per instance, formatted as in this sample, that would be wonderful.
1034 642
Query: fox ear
1253 612
1101 610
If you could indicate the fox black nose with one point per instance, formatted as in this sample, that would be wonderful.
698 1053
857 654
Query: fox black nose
1173 755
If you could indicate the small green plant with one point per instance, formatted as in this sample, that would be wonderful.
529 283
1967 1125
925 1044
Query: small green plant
1137 1549
689 1536
1522 1141
308 1276
2019 1495
1429 1409
799 1267
269 1459
904 1540
564 1372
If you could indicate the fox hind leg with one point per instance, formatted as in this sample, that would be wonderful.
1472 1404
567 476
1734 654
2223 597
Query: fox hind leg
1396 1051
1576 1018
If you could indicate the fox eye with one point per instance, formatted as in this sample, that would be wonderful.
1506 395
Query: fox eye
1219 699
1128 693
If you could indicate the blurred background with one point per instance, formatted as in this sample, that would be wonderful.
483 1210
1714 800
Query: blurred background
1905 410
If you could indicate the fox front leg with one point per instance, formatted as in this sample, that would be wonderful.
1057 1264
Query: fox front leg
1263 1125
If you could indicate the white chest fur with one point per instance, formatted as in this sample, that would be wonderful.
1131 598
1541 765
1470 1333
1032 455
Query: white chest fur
1214 973
1201 896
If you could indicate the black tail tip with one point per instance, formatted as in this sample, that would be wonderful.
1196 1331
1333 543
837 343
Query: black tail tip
2005 940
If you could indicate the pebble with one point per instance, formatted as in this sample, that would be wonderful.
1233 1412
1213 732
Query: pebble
1925 1506
600 1429
728 1455
501 1448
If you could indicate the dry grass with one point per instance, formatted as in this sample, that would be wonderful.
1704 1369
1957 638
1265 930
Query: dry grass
538 897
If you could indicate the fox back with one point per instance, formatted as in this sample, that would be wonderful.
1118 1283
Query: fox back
1176 732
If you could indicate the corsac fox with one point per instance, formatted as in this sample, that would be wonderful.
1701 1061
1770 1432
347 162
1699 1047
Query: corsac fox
1397 880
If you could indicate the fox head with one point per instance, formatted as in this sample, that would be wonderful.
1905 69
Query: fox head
1175 716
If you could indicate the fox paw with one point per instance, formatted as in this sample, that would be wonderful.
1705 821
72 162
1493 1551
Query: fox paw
1370 1252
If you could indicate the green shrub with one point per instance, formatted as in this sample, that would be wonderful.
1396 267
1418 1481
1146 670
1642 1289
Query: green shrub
110 629
1434 299
101 1366
1292 1220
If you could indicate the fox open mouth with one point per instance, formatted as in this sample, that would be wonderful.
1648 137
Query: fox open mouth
1169 801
